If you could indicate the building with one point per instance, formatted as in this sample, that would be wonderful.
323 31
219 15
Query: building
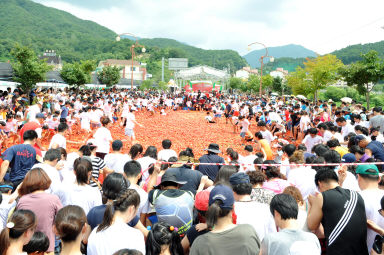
52 59
246 72
279 72
6 72
139 70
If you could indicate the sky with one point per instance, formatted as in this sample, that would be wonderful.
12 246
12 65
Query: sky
321 26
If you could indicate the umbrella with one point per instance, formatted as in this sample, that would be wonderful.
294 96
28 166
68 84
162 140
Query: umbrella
301 97
346 100
274 94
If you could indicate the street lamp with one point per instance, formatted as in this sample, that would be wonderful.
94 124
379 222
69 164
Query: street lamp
271 59
136 44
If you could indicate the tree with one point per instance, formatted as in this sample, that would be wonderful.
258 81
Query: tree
110 75
364 74
277 84
253 84
235 83
298 82
28 69
321 72
267 82
147 84
335 93
77 74
162 86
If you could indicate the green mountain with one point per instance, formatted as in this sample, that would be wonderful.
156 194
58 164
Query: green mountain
40 27
353 53
216 58
286 51
289 64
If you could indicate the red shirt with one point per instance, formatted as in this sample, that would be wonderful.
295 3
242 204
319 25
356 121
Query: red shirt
32 125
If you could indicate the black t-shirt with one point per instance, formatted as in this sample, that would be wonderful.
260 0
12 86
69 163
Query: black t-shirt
192 234
192 177
295 118
345 222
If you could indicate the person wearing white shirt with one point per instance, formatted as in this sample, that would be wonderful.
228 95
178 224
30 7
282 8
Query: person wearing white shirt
301 177
325 133
52 168
312 139
346 128
248 159
81 193
166 152
250 212
59 140
103 138
148 159
132 171
116 160
368 180
130 122
113 233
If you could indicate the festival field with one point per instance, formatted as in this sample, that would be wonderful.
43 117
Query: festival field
183 128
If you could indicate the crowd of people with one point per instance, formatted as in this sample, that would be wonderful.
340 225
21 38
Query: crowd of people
308 180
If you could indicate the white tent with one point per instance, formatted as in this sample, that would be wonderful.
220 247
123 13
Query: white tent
202 73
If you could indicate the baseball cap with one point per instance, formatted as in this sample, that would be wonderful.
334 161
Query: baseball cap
362 169
239 178
348 158
224 194
202 200
40 116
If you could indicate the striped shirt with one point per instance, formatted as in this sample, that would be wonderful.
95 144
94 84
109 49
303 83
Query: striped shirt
97 165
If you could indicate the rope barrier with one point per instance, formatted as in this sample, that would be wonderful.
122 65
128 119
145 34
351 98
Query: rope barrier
264 165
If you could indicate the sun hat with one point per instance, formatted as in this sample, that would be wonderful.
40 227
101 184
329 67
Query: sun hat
362 169
224 194
213 147
169 177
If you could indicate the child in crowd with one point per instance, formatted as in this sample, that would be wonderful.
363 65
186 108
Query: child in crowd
208 118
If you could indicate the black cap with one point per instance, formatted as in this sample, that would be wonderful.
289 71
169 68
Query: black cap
169 177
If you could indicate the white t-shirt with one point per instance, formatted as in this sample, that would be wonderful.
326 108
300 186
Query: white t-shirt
303 178
348 128
84 196
327 136
144 203
372 198
350 181
144 163
310 142
244 125
257 215
130 121
166 154
103 138
118 236
267 135
59 140
248 161
116 161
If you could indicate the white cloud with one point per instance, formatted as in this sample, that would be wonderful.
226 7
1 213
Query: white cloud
322 26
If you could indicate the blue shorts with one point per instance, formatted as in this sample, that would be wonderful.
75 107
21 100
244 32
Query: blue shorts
242 134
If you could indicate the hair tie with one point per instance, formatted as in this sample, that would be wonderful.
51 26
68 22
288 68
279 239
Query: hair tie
171 228
10 225
6 186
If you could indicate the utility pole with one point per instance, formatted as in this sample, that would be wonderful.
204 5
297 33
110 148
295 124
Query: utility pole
162 69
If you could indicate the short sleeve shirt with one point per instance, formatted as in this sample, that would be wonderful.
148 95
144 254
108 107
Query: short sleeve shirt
21 157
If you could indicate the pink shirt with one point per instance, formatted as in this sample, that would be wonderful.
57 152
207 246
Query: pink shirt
276 185
45 206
